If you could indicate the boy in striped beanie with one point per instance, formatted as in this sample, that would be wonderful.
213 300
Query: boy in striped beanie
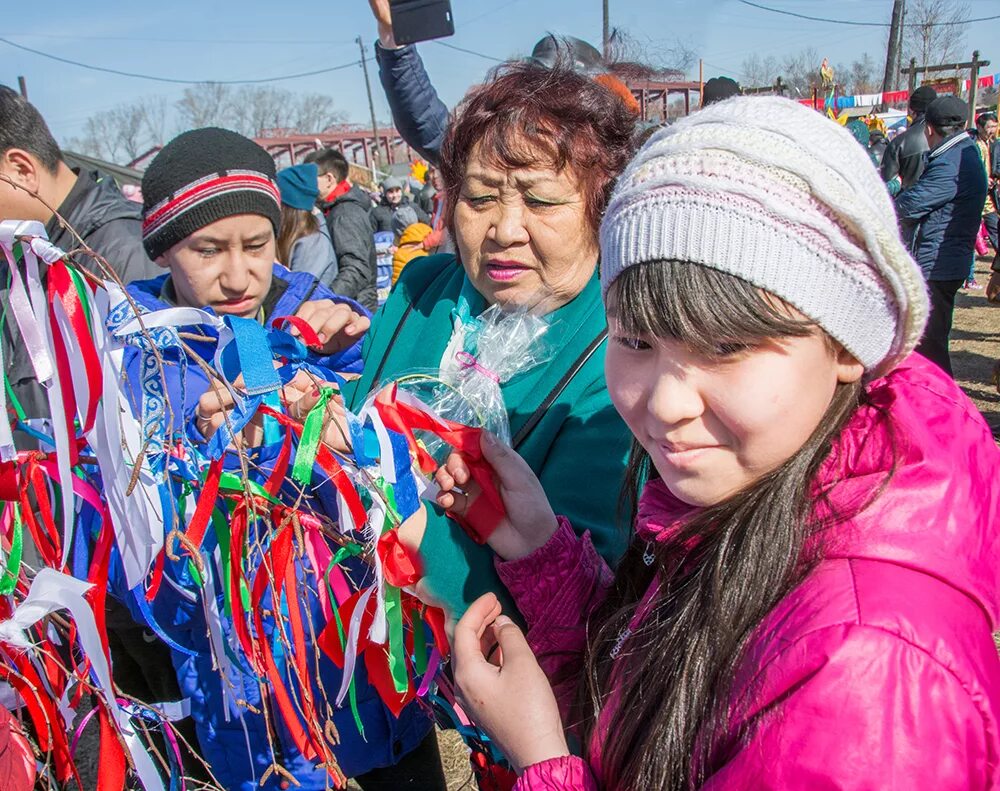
211 212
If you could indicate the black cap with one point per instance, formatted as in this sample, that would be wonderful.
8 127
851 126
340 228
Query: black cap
921 98
202 176
947 111
717 89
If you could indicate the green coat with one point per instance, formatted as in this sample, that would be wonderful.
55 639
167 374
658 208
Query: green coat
578 447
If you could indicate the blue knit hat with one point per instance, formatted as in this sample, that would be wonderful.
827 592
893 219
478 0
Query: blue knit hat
299 186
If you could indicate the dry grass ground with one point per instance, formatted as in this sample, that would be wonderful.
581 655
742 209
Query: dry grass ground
975 348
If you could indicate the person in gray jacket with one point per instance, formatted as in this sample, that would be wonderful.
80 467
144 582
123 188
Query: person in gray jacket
304 243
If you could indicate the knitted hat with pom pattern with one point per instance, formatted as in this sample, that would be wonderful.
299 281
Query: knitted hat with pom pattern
772 192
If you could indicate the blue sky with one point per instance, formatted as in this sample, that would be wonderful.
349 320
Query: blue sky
229 39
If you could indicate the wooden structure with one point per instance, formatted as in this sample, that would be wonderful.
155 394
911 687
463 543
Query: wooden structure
357 144
653 94
973 66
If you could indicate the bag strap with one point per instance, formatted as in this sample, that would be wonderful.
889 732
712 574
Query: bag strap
561 385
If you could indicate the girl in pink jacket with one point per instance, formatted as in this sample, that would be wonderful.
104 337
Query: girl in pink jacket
809 597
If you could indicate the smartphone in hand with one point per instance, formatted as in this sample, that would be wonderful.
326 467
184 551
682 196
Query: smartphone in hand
420 20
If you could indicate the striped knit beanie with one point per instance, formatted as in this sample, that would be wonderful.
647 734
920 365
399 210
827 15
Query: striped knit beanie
774 193
203 176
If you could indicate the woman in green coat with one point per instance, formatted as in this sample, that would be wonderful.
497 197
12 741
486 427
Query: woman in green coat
528 163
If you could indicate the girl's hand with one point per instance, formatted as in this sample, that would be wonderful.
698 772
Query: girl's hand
529 522
502 687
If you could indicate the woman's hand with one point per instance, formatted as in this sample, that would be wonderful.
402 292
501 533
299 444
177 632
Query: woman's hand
335 323
503 688
380 10
529 522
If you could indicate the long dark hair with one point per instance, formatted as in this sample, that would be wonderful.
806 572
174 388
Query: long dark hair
295 224
728 567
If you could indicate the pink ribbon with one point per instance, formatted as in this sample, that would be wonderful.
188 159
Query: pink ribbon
467 361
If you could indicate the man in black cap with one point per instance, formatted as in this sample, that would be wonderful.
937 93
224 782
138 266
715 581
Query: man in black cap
904 156
940 217
718 89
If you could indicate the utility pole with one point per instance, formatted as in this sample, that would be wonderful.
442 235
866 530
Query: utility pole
371 108
23 85
892 53
607 30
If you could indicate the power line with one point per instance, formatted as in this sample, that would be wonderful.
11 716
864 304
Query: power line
460 49
173 80
865 24
213 41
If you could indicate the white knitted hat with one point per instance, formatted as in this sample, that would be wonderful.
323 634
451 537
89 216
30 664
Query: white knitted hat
775 193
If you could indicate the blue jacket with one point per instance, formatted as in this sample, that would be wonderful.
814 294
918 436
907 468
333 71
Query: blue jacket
420 116
940 214
234 739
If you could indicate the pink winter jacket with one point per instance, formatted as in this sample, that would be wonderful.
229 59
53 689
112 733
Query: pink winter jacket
879 670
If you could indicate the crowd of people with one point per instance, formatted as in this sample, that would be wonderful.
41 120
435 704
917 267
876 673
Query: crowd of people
749 525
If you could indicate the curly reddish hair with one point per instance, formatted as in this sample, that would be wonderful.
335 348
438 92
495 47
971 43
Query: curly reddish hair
527 115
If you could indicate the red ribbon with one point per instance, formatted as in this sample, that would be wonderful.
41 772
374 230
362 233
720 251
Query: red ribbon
271 573
329 464
206 504
306 332
400 564
61 286
237 534
487 511
9 481
111 771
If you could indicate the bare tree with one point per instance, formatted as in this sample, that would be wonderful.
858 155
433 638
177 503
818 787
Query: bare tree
206 104
864 75
935 30
315 112
800 72
155 111
758 72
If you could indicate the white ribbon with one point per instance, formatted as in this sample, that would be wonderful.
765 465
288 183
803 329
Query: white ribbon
116 440
51 591
351 648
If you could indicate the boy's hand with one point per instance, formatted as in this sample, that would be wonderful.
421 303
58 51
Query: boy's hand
336 324
302 394
529 522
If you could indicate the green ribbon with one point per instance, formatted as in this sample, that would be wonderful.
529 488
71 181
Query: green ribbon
397 648
233 483
221 527
419 643
312 428
15 402
12 569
